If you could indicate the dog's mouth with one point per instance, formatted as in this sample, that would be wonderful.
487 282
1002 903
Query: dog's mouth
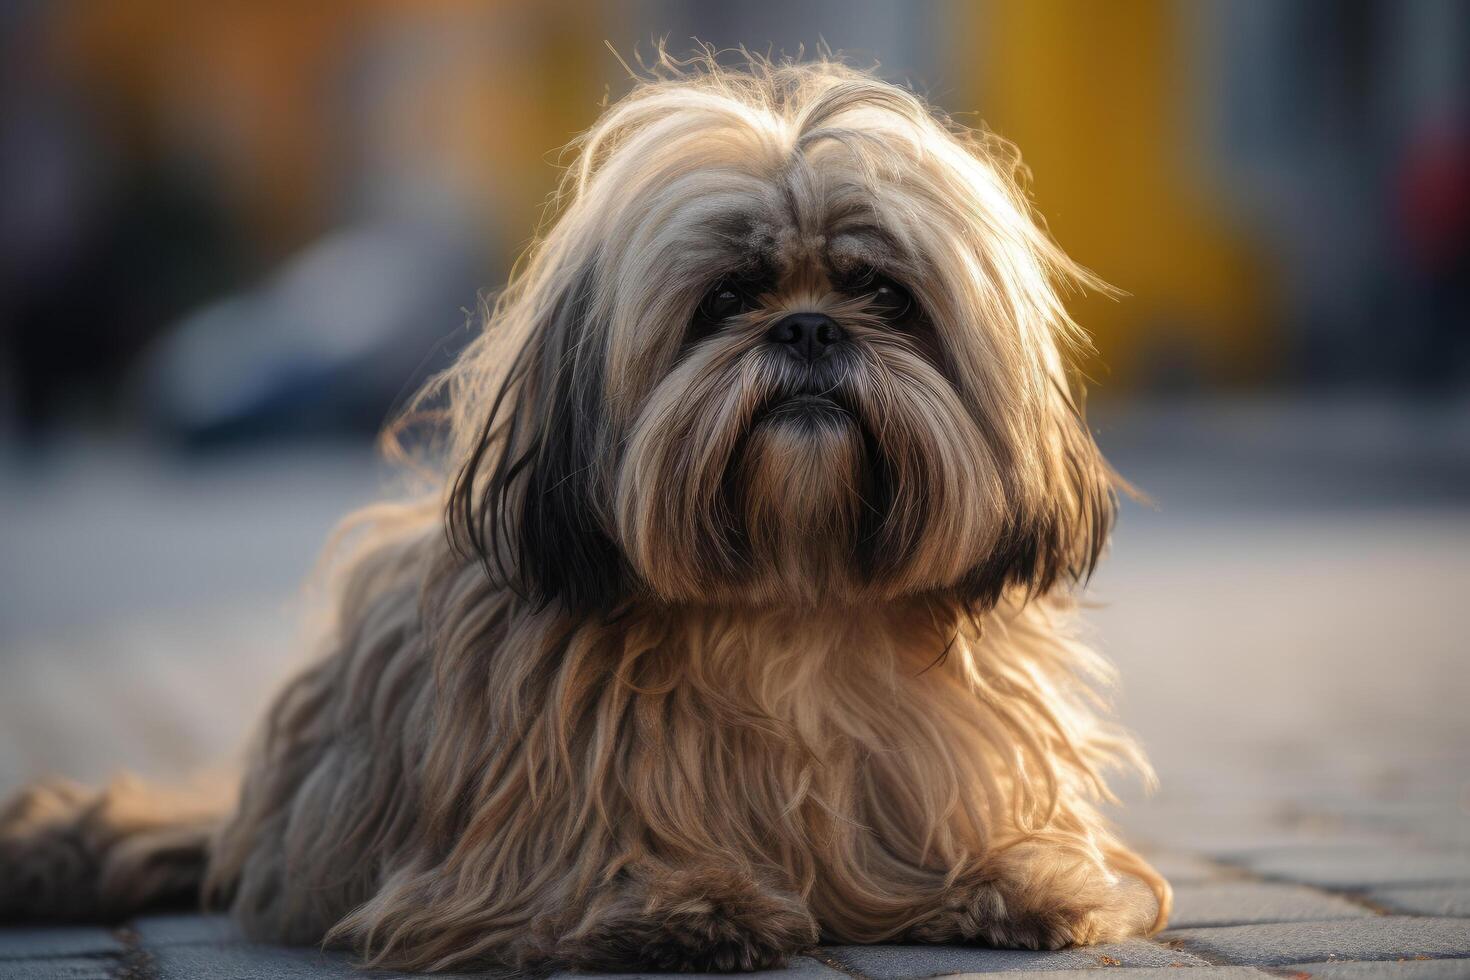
803 405
810 399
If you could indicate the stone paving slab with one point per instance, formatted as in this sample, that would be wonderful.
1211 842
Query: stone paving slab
799 968
37 942
1283 944
1449 900
244 961
65 968
900 962
1233 903
1182 868
1150 973
185 929
1390 970
1145 973
1226 836
1353 868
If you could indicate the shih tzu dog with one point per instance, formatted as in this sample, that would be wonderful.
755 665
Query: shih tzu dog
740 621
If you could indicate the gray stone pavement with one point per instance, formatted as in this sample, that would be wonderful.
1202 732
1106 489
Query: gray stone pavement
1288 620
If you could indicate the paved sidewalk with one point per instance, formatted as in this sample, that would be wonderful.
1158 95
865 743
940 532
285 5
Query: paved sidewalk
1307 894
1291 645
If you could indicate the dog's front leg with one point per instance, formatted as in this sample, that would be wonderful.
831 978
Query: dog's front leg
706 917
1044 894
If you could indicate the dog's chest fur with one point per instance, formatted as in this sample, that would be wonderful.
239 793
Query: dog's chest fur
789 733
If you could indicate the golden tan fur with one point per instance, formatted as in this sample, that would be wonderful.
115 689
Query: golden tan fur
705 652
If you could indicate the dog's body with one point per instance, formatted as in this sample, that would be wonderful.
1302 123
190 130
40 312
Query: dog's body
750 624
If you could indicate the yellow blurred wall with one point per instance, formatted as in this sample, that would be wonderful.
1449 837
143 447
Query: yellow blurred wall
1094 95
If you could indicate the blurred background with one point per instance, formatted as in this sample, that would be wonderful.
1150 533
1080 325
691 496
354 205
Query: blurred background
234 235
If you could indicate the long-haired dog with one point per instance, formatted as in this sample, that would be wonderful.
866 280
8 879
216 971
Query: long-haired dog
741 620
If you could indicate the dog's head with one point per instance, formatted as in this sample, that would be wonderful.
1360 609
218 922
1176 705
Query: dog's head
792 339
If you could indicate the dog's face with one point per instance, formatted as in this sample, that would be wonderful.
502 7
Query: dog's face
810 435
792 340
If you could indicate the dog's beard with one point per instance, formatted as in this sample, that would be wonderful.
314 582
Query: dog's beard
751 477
799 486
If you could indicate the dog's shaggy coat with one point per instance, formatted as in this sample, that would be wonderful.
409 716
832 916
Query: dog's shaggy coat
710 646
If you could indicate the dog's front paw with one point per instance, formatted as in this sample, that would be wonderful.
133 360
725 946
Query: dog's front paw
715 935
698 921
1066 922
1037 899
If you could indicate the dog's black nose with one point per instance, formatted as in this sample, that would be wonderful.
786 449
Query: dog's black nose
806 335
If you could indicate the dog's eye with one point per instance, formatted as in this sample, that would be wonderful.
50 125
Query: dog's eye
888 298
883 296
728 299
724 301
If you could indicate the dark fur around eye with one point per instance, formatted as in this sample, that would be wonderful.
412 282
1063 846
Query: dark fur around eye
726 300
729 298
886 297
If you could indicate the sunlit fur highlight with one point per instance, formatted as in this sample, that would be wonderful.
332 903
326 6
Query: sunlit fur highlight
675 671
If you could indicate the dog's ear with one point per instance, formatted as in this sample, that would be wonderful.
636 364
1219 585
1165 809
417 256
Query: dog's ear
526 501
1055 532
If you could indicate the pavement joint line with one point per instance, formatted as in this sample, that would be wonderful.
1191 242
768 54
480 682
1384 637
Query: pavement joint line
1360 898
1348 893
1181 946
1242 873
1357 896
1185 946
825 958
135 962
102 956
